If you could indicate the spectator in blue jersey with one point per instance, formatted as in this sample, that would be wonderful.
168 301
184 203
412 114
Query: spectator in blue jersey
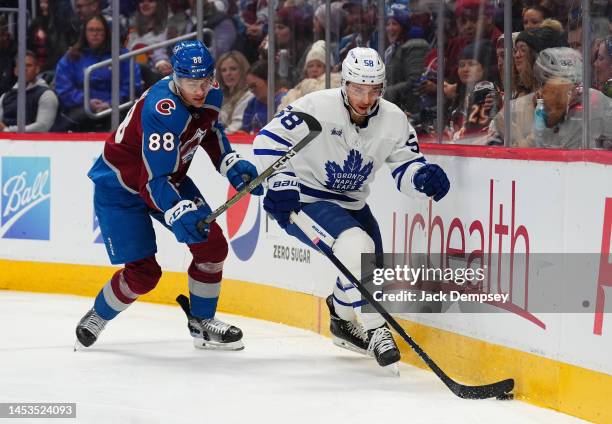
256 113
94 46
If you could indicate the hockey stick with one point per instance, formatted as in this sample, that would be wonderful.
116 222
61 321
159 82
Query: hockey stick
314 129
501 389
183 302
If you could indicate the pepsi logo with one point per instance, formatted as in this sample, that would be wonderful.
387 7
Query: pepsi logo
243 236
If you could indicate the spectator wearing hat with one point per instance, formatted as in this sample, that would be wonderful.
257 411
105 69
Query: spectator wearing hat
314 76
528 44
293 31
469 115
474 22
404 59
558 74
337 23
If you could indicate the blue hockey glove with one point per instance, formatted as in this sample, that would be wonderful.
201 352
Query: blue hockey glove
431 180
282 198
184 217
239 172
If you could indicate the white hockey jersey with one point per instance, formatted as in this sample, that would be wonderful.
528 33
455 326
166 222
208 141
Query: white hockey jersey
340 164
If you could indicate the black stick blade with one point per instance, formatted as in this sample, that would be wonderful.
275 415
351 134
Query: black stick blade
183 301
313 124
499 389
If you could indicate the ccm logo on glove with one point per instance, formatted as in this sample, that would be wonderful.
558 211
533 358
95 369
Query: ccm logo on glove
228 161
178 210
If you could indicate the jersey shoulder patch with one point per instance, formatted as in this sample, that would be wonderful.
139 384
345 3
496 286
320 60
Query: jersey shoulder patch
164 108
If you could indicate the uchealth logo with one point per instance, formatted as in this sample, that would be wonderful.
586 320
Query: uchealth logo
25 200
243 236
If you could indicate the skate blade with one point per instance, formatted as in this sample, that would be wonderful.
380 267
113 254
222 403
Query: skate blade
393 369
208 345
348 346
78 346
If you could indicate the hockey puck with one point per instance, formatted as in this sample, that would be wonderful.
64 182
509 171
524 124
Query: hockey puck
505 396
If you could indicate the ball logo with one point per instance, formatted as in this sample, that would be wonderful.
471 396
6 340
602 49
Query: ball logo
243 245
165 106
25 200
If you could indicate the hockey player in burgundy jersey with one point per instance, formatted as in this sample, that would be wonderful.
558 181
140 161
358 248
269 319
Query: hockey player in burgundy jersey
142 174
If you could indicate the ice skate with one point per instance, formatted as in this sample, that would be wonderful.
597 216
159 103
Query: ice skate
346 334
211 333
384 349
215 334
88 329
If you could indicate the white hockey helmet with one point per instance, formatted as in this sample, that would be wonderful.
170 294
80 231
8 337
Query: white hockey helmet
561 62
363 65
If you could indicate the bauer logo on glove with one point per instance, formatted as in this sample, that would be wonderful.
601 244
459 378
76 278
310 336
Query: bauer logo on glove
280 185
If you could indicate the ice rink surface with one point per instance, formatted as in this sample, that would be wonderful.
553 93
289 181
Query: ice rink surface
144 369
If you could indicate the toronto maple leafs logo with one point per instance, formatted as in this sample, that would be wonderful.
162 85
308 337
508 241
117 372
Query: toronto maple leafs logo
349 177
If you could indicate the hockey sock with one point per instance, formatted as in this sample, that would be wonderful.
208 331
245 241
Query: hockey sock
348 248
114 297
342 301
205 273
203 298
137 278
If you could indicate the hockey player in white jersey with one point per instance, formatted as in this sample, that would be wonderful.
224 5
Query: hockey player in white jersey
330 181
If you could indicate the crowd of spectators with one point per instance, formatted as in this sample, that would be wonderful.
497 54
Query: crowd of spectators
66 36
